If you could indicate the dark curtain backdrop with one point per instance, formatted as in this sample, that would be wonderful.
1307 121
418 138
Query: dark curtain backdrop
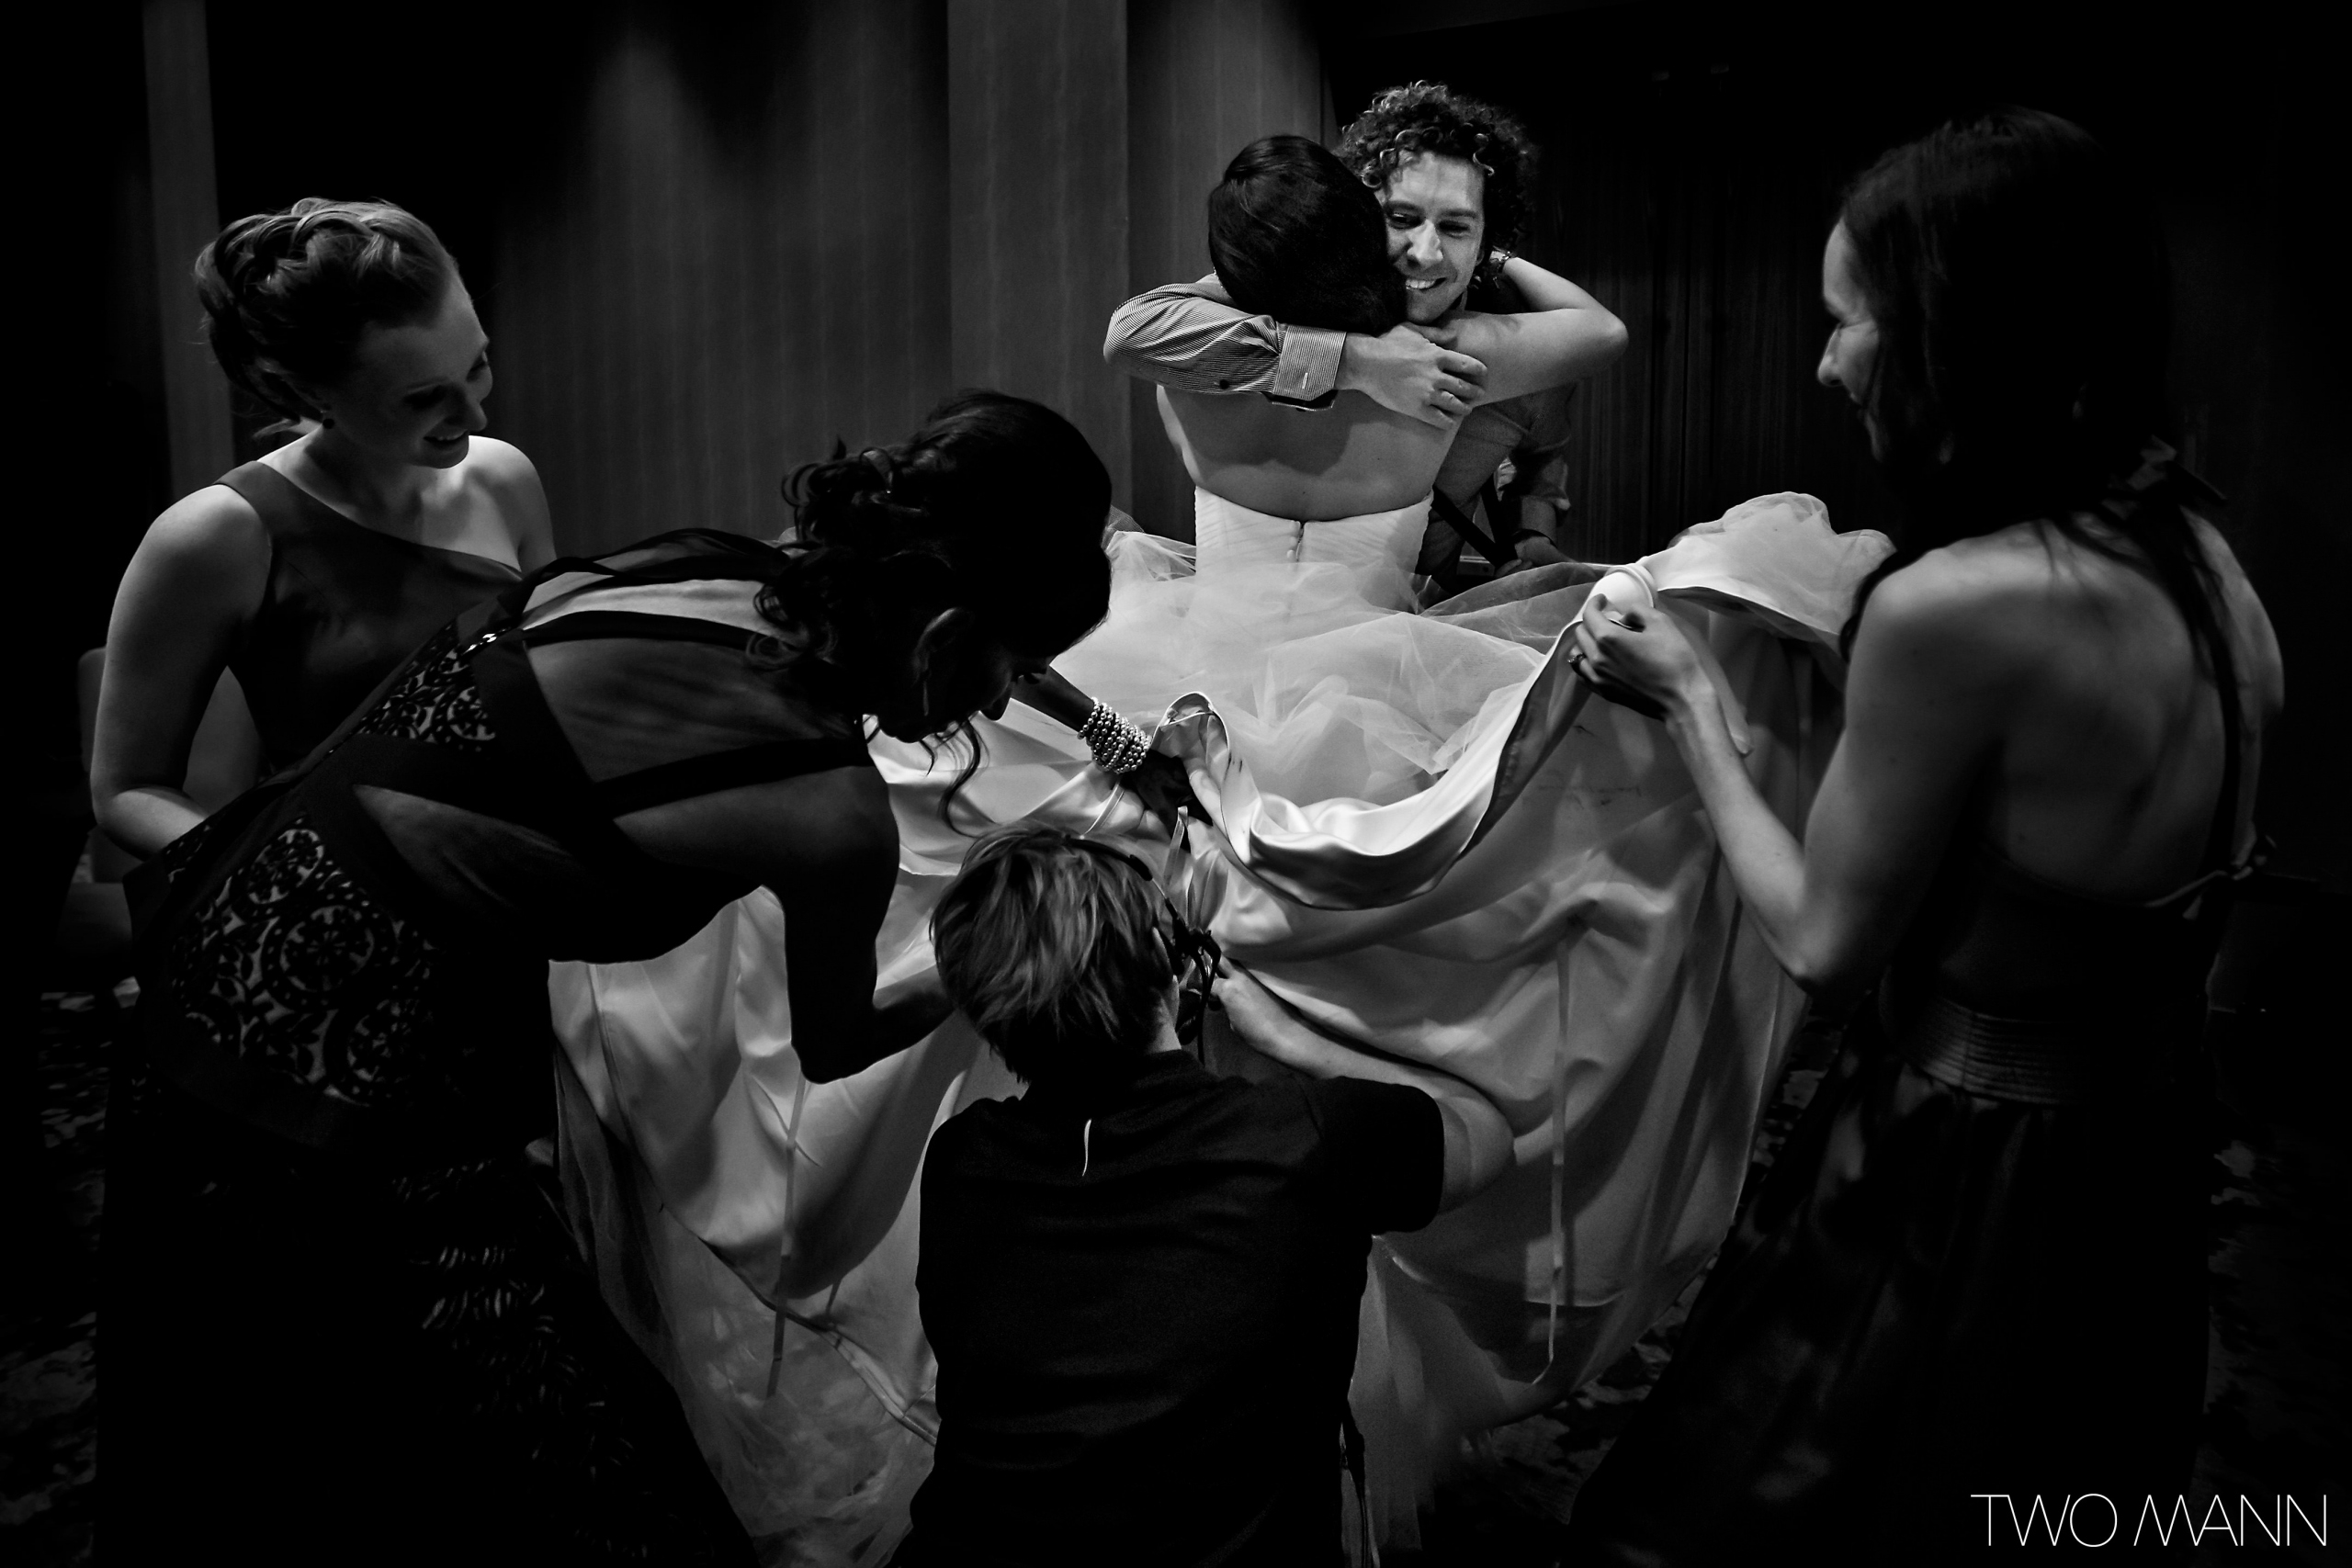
710 241
1694 154
705 245
1206 78
1037 205
728 259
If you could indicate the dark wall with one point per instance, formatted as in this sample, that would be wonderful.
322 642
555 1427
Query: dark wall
704 244
1204 81
96 460
708 242
1693 155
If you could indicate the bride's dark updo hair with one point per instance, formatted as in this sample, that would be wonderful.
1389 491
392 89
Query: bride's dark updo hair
287 295
1295 236
996 506
2018 283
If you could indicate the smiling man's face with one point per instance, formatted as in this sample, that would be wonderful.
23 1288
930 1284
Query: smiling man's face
1437 231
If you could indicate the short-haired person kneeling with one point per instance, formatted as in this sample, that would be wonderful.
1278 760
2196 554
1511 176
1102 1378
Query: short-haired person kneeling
1141 1280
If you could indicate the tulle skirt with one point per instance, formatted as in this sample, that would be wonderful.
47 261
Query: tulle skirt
1421 834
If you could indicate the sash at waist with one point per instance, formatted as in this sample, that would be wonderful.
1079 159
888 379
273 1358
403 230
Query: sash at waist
2038 1061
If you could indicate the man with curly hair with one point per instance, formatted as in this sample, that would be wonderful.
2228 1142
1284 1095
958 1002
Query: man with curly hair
1455 179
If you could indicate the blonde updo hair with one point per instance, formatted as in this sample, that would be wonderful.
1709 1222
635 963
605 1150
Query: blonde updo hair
288 294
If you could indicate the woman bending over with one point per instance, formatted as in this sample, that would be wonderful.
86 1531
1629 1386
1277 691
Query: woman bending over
345 1321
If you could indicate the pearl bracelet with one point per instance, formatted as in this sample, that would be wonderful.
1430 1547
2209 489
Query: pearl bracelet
1119 747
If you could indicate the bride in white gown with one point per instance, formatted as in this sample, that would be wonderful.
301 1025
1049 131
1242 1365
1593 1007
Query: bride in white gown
1421 834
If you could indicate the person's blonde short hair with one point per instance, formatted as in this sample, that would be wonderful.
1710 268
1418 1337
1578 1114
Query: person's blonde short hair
1057 951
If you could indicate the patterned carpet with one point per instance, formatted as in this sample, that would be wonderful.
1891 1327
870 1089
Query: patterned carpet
2276 1416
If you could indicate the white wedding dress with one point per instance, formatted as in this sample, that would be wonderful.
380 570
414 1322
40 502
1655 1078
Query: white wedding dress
1424 835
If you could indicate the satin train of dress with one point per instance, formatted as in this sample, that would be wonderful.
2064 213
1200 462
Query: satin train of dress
1424 835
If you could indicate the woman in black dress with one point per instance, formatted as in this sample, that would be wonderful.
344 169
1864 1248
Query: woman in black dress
346 1321
1978 1267
313 571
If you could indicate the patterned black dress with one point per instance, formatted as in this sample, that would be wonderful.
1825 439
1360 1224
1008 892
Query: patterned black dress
346 1321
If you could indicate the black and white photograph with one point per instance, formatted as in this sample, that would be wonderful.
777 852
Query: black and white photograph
1193 784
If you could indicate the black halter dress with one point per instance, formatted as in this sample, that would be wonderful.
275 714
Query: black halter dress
346 1322
343 606
1977 1269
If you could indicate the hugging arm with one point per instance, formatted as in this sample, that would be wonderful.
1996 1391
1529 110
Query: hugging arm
1191 337
1565 334
1477 1139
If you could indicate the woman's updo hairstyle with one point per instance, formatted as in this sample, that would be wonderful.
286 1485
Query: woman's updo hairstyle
288 294
1294 236
996 504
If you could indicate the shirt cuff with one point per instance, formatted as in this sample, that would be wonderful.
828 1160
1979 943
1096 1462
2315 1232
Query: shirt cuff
1307 370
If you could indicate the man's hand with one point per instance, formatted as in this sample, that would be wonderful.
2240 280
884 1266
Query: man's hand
1413 373
1533 550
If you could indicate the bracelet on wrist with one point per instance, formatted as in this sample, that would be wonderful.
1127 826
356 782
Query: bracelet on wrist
1119 747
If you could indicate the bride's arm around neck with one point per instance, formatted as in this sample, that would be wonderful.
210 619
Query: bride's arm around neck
1565 335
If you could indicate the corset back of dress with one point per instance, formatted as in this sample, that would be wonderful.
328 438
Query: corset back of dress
1376 551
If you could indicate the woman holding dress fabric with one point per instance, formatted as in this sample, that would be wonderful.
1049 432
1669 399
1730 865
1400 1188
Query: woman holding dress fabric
346 1323
1978 1267
1432 871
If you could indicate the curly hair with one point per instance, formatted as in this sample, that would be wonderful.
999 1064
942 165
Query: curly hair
287 295
1429 117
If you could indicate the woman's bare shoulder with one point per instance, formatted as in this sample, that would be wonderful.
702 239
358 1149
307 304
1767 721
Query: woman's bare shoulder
209 530
499 470
1958 588
1978 618
498 462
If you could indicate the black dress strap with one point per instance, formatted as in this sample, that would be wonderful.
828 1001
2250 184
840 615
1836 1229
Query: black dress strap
1458 519
2220 835
536 745
707 775
587 625
705 557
